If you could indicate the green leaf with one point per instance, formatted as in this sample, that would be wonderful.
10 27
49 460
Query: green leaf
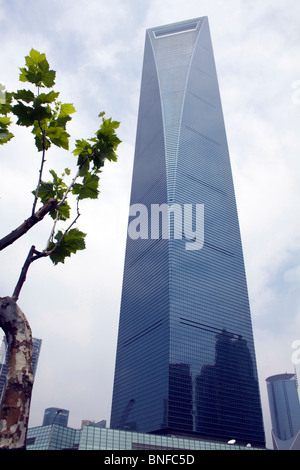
4 121
48 79
24 114
46 191
108 141
84 164
5 135
98 159
67 244
37 70
81 147
56 179
27 115
58 137
34 58
89 187
64 115
66 109
47 97
62 213
23 74
24 95
40 141
59 185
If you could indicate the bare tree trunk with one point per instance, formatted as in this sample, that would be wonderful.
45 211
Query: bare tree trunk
15 406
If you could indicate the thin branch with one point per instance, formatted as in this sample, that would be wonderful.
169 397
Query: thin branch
40 174
68 189
44 253
23 274
33 255
50 205
69 228
71 184
35 217
50 239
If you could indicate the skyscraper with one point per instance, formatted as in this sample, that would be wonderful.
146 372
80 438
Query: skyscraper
285 411
185 356
56 415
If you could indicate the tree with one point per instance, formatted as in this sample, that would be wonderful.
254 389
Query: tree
59 199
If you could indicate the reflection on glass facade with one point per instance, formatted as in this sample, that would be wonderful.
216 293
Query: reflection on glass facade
53 437
285 410
94 438
113 439
56 416
185 355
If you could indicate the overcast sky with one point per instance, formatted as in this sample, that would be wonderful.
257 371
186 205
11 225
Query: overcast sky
96 47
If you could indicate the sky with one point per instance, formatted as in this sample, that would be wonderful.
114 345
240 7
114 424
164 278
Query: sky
96 48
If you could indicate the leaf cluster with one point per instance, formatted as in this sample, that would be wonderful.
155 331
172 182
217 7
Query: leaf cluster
91 155
66 244
41 110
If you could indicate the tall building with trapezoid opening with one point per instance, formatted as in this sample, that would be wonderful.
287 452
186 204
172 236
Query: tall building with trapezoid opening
185 359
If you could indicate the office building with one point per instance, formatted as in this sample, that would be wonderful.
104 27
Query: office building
92 437
88 422
185 362
54 434
57 416
285 411
52 437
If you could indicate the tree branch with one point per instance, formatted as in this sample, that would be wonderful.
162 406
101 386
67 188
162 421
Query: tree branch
50 239
72 183
40 175
28 224
23 274
70 226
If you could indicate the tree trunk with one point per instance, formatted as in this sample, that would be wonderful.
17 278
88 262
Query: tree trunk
15 406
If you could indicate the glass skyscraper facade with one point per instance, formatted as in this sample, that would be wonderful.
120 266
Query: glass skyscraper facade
89 437
285 410
56 416
185 359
